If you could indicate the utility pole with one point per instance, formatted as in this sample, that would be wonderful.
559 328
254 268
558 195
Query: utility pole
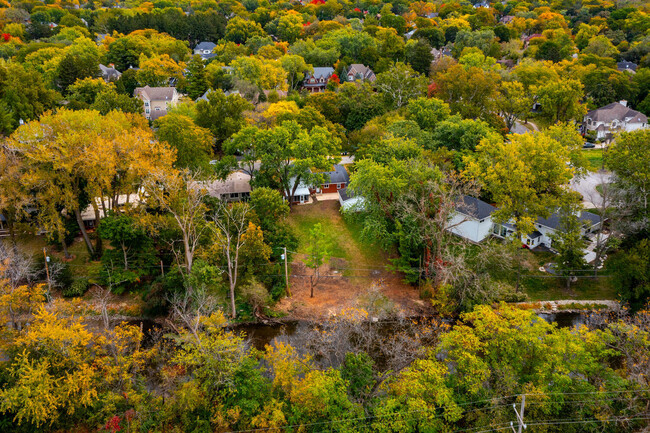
520 416
286 272
47 272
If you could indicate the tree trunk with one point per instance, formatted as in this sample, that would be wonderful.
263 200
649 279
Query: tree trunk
84 233
66 254
98 242
311 284
232 301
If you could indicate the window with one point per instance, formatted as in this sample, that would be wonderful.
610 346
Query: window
146 104
326 185
147 110
157 108
503 232
527 241
234 195
339 186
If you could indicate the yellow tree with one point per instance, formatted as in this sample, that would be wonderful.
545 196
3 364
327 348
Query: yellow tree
74 157
157 70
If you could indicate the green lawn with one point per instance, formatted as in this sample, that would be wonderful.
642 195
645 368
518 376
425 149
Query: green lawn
542 286
344 236
594 158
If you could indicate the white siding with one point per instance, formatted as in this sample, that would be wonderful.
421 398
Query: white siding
469 228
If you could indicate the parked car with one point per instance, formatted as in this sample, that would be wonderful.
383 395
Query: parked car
588 145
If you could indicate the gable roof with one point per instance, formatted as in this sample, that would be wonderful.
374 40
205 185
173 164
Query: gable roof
626 66
205 46
363 70
155 93
237 182
616 111
321 72
338 175
474 207
553 221
109 72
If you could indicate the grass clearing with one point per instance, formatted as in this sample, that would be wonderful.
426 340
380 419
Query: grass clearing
542 286
594 158
343 235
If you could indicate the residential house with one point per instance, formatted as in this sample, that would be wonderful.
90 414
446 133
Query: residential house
236 187
335 180
473 221
506 19
204 49
156 100
439 54
613 118
302 194
359 72
626 66
350 201
109 73
317 82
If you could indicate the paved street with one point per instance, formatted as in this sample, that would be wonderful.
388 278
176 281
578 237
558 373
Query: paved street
586 186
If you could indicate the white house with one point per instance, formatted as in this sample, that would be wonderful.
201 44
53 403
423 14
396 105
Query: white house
473 221
613 118
204 49
349 201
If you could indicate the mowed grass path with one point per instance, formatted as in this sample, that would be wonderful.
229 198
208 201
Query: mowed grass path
594 158
343 236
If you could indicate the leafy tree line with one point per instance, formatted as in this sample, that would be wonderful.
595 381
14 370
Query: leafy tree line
57 374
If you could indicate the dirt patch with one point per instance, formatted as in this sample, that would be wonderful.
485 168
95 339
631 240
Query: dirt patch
335 292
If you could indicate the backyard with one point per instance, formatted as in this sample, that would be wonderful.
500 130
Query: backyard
356 268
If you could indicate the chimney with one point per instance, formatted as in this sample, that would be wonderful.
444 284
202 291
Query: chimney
623 102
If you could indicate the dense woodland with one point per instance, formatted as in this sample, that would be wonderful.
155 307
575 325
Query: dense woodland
454 82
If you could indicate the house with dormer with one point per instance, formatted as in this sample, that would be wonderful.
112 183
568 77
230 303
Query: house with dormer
317 82
613 118
359 72
205 50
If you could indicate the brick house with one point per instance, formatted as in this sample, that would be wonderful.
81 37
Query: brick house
317 82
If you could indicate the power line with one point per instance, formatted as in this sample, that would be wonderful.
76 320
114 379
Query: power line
448 405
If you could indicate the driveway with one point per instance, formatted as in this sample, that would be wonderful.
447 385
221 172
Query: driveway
586 186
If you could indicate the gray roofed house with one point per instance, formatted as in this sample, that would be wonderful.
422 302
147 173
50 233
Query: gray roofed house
613 118
317 82
626 66
474 207
236 187
335 180
473 221
109 73
359 72
204 49
350 201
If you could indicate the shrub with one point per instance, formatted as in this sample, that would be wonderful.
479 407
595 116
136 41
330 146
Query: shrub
78 287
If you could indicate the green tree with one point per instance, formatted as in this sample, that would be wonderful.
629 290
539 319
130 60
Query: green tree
269 206
428 112
296 69
400 84
109 100
628 158
630 268
221 114
570 244
197 82
560 100
513 103
318 253
239 30
193 143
